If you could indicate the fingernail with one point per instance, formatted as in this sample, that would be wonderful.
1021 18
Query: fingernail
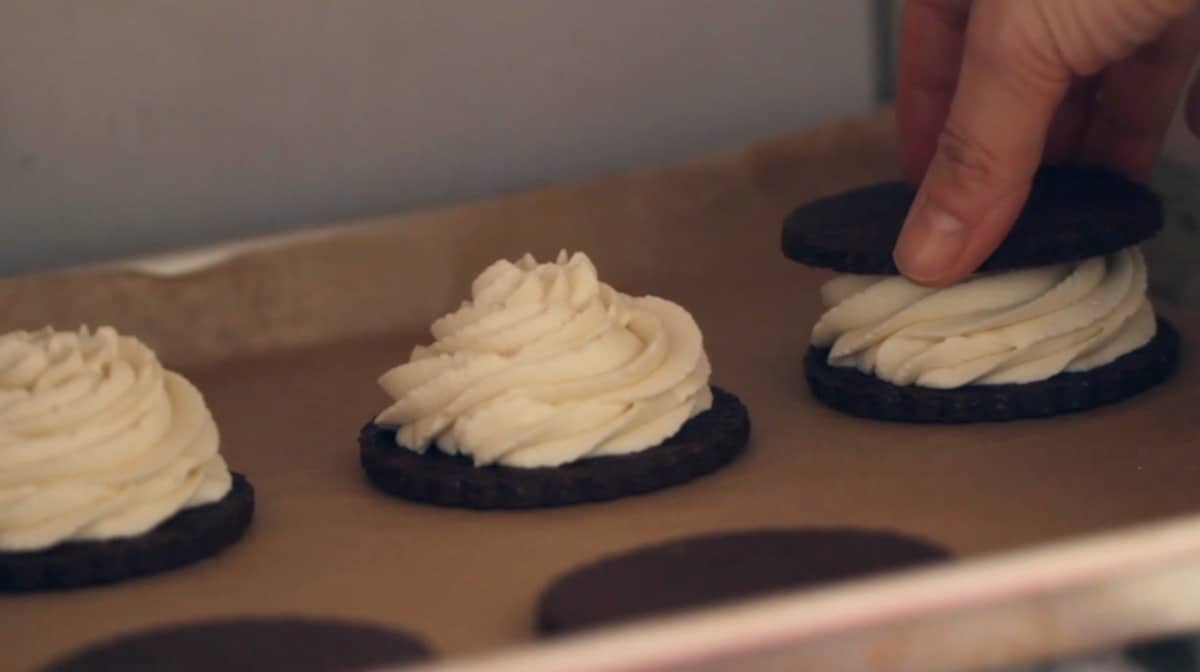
931 241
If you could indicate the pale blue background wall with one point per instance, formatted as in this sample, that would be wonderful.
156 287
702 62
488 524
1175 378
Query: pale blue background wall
129 126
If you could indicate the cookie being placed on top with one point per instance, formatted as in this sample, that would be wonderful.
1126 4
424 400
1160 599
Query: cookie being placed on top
109 464
1071 214
1058 321
707 570
550 388
250 645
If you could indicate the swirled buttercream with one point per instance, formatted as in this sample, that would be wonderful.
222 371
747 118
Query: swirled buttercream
546 365
1009 327
97 440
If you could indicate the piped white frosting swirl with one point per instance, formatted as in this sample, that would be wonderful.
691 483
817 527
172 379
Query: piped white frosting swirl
546 365
1010 327
97 441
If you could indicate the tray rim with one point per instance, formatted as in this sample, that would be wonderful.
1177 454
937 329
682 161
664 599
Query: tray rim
873 608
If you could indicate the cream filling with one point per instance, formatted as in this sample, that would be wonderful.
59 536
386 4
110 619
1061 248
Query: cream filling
1012 327
97 440
546 365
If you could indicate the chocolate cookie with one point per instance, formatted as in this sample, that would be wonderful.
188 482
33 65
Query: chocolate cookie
704 443
706 570
851 391
1071 214
188 536
251 644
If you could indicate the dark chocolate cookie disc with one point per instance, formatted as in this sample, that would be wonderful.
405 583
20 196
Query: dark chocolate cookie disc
251 645
706 570
849 390
704 443
1071 214
186 537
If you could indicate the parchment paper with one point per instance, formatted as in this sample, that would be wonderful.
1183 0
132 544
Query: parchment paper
287 340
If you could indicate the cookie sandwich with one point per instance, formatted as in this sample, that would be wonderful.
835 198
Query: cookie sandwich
547 388
109 464
1057 320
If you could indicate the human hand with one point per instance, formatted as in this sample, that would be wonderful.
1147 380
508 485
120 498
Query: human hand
989 89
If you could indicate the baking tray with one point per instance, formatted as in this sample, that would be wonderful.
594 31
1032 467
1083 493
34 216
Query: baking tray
1071 532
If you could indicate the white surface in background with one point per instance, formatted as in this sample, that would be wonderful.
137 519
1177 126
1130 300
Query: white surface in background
130 126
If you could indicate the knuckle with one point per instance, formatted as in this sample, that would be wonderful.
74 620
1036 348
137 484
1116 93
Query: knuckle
1090 34
1021 42
1035 48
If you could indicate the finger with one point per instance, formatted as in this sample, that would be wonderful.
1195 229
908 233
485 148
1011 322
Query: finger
990 148
1137 99
931 46
1192 111
1065 137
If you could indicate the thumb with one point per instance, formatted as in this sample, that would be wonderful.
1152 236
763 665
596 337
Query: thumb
1008 89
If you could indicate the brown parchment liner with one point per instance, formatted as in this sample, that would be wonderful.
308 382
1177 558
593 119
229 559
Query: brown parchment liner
287 339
